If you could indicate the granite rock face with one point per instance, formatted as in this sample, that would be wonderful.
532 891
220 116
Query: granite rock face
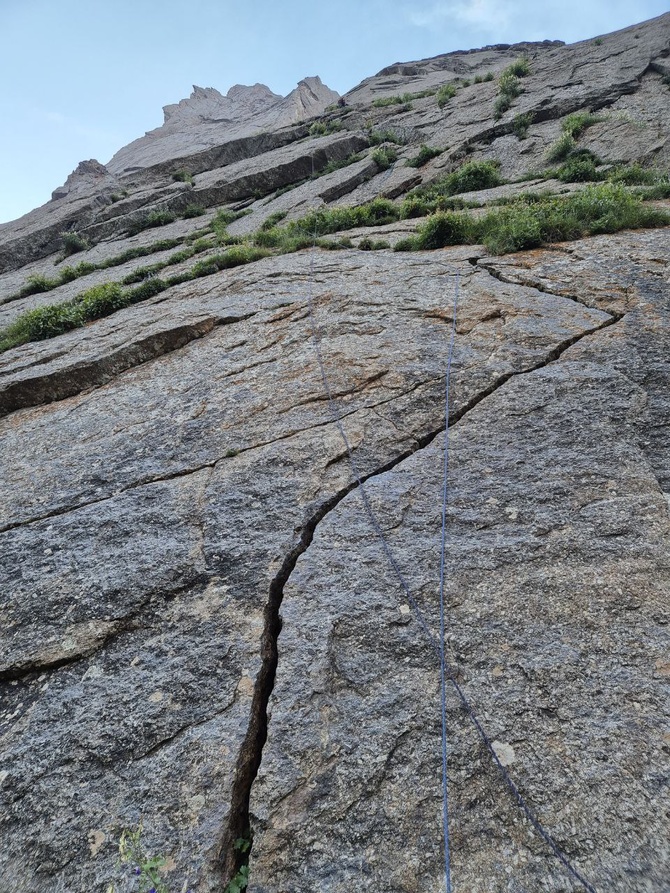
200 627
206 118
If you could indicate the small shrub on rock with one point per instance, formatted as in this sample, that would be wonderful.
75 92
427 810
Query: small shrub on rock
385 156
423 156
73 242
445 93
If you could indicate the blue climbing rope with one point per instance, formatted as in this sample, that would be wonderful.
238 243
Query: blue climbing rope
438 646
443 561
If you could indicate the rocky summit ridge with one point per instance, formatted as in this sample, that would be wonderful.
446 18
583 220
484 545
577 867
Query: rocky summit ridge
200 629
207 117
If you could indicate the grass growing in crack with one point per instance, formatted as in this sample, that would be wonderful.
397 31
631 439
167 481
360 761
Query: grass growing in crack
384 157
469 177
367 244
509 85
36 283
404 99
560 150
387 135
573 127
521 124
183 176
525 222
192 211
300 233
103 300
423 156
337 164
73 242
578 122
580 167
150 220
324 128
445 93
530 222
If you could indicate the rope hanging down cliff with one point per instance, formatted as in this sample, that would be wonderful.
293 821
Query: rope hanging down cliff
438 646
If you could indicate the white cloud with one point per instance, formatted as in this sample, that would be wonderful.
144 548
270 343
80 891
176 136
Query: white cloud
482 14
56 118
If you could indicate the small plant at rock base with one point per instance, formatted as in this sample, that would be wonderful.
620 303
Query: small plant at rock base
384 157
192 211
423 157
183 176
73 242
445 93
144 869
521 124
376 137
152 219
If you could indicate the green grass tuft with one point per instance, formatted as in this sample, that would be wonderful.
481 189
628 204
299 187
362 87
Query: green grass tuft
385 156
423 156
150 220
521 124
532 221
73 242
445 93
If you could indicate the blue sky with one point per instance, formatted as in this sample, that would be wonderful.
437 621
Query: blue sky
81 78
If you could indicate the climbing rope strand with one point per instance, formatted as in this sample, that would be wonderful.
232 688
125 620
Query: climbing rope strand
530 815
443 563
430 637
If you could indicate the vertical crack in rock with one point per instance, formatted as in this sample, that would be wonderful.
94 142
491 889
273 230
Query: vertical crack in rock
251 753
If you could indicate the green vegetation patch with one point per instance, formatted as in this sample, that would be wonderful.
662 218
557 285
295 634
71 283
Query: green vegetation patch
325 128
445 93
510 86
150 220
532 221
73 242
521 124
573 127
183 176
301 233
469 177
385 156
103 300
337 164
423 156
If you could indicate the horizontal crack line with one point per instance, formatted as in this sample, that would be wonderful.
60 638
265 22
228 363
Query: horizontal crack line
146 482
85 375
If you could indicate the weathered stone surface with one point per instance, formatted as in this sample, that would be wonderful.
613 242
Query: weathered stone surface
192 591
558 577
196 123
